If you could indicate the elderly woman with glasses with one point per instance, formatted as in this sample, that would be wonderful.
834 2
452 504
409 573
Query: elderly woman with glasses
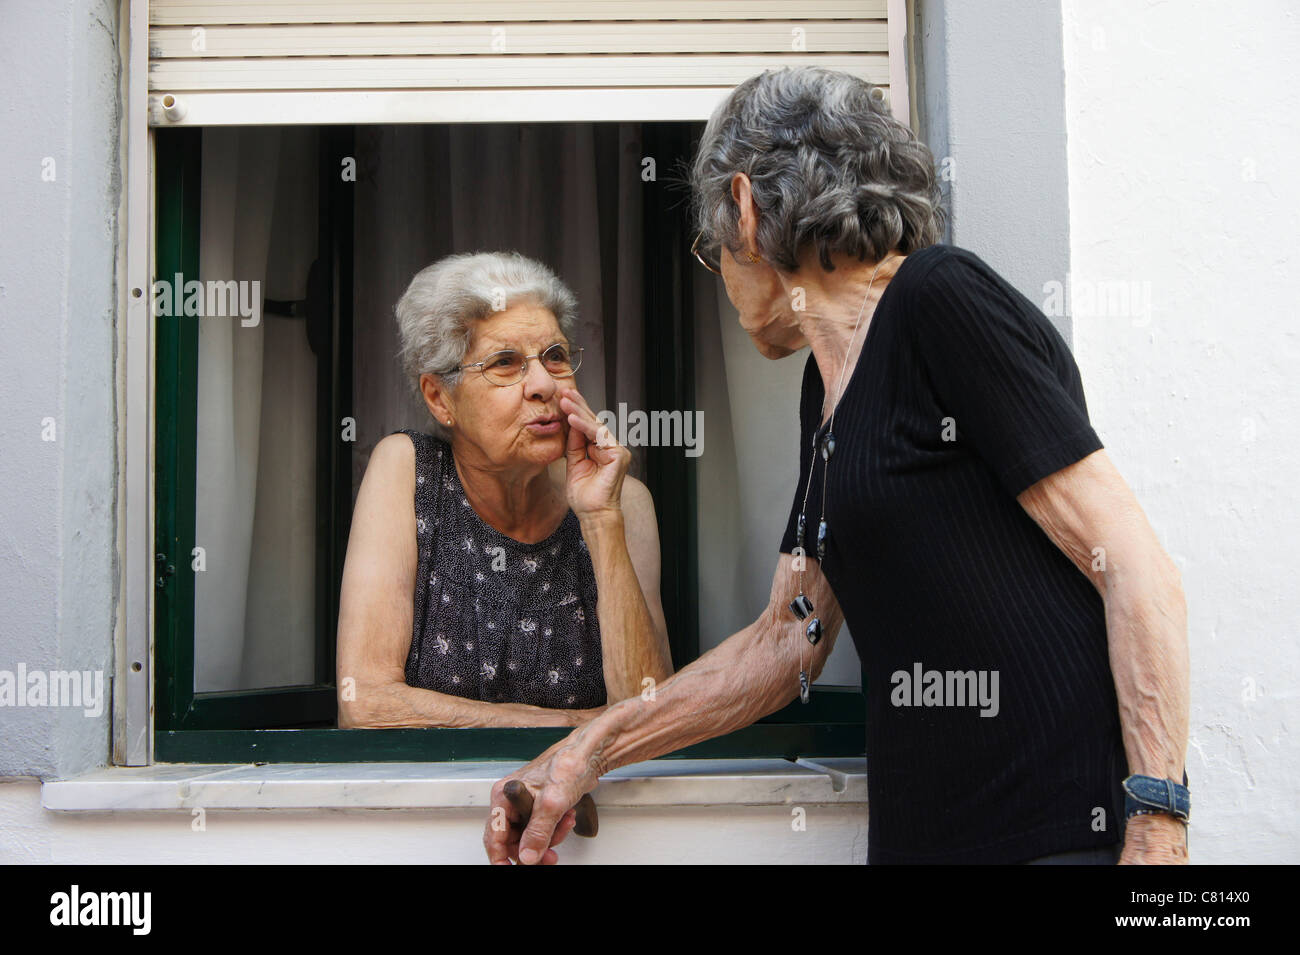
482 586
1022 632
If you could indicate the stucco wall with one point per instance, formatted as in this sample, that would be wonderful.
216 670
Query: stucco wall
1183 127
990 103
58 201
653 836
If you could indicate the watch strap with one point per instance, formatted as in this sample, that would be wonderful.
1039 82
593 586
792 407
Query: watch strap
1147 794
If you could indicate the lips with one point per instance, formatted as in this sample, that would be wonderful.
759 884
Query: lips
545 424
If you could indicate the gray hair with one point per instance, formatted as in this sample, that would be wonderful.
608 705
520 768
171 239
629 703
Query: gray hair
827 164
436 313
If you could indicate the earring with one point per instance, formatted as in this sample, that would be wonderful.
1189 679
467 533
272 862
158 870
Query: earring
751 256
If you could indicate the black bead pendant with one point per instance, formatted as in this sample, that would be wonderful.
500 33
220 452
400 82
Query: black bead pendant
798 533
814 630
828 446
801 606
821 540
804 688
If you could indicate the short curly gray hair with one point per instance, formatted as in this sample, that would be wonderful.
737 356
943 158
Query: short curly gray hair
436 313
827 164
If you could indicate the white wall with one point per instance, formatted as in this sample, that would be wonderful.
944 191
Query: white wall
832 834
990 94
1183 128
58 206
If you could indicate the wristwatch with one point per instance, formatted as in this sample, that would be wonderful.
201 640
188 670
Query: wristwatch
1144 795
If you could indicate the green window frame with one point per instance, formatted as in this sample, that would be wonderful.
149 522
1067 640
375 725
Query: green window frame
296 724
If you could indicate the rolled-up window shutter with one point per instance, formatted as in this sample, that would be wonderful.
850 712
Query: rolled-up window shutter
385 61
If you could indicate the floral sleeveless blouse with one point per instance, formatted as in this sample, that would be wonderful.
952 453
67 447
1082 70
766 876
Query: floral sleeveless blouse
495 619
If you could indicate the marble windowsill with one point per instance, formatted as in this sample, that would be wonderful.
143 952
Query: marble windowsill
658 783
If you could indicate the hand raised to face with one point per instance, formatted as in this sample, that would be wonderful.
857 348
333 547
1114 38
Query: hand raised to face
596 462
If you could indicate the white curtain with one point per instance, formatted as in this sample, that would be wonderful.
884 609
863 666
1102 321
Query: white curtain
565 194
255 455
280 617
429 191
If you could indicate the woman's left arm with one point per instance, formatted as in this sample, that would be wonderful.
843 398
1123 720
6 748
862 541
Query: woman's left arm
625 555
618 524
1091 514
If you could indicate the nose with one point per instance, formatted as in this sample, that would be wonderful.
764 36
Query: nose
538 383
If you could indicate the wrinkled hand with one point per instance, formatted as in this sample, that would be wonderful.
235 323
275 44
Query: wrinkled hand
1154 839
596 462
557 779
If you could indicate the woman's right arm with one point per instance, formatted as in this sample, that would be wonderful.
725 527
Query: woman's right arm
375 615
749 675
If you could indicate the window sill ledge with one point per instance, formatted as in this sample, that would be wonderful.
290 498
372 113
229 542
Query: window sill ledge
657 783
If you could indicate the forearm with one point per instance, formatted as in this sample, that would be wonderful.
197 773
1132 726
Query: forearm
751 674
389 704
631 646
1146 625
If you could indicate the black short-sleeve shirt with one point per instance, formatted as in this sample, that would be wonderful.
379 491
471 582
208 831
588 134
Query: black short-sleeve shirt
992 727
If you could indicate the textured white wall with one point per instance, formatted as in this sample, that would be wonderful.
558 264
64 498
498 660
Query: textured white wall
58 206
990 95
834 834
1183 125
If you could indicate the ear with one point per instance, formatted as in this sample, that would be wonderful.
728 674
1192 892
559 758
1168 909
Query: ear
437 398
744 198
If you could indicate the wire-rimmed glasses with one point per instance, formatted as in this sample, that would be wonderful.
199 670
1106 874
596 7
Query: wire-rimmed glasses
707 257
509 367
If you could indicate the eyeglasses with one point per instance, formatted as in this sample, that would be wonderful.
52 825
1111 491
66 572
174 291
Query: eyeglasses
503 368
712 262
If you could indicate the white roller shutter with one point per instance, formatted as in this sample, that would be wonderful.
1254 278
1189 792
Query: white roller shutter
394 61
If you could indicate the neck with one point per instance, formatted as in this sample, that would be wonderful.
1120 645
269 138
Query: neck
833 302
520 503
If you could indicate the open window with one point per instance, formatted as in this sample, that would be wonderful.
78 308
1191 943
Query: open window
306 166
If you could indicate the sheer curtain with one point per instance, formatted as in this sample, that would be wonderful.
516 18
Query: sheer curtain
429 191
238 189
279 620
565 194
255 454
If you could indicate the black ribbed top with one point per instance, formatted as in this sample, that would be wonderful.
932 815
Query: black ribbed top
938 568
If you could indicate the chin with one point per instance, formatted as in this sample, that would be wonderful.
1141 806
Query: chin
547 448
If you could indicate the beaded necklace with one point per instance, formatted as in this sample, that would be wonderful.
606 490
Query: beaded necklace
801 606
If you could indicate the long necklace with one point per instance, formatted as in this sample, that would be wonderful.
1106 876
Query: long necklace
801 606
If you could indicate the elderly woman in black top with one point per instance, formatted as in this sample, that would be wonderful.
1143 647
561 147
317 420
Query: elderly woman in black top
1022 632
470 590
